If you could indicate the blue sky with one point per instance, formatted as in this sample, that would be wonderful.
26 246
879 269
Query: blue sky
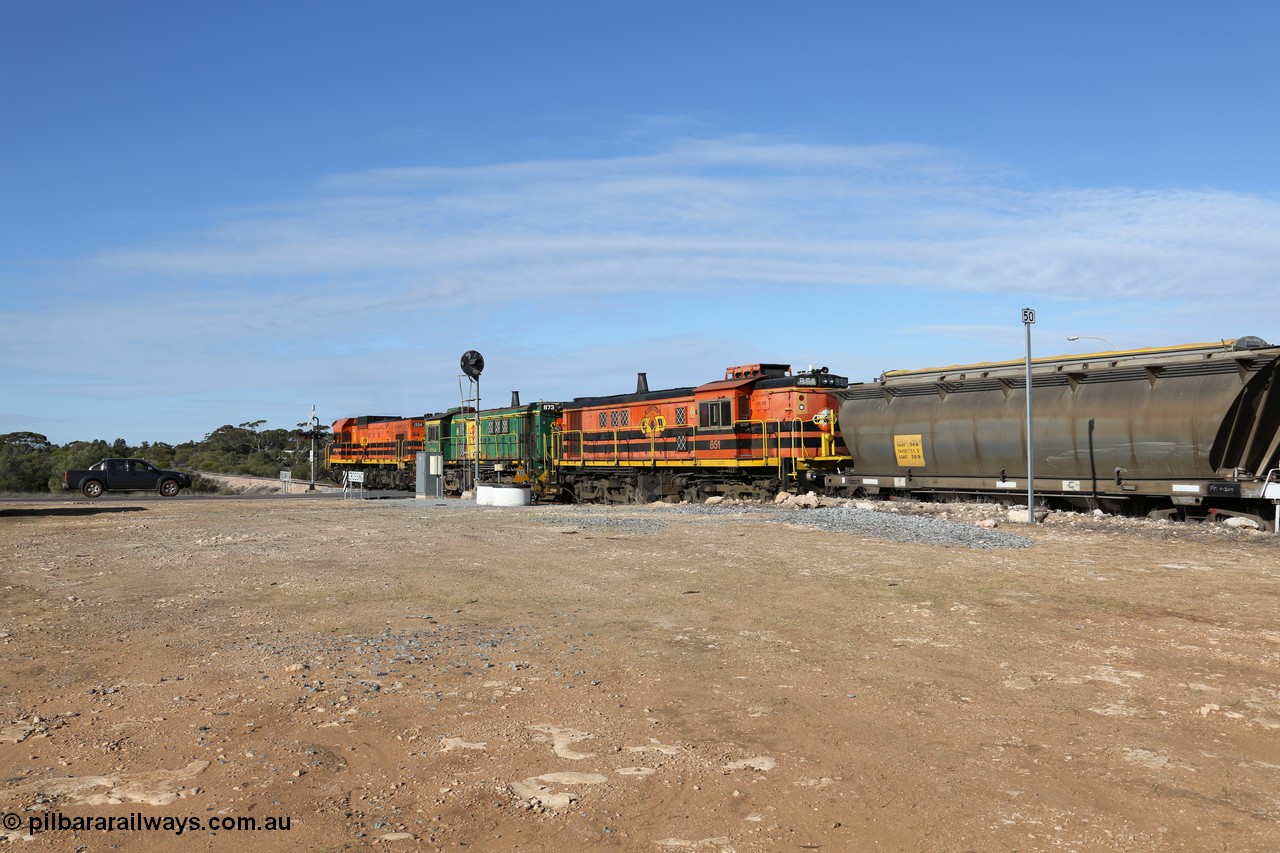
218 213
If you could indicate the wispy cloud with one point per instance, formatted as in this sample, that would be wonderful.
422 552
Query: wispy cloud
728 212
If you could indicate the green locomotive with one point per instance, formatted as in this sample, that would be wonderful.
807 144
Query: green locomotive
514 445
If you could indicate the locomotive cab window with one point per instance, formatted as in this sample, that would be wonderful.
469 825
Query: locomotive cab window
715 414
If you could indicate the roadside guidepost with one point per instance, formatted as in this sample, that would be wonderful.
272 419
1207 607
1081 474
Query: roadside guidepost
350 481
1028 320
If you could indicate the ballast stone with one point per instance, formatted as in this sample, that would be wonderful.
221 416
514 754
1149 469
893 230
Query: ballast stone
1018 515
807 501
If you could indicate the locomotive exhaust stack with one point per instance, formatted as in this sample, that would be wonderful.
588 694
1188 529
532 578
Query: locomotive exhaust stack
642 383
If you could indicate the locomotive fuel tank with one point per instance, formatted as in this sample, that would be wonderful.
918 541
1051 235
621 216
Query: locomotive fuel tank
1185 423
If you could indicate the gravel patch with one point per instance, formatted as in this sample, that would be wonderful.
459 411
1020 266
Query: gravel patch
948 524
838 519
599 521
905 528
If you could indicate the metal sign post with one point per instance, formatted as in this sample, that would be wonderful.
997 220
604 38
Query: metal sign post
350 480
1028 320
313 424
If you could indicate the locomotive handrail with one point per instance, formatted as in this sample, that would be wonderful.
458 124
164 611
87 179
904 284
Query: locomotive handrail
777 440
764 441
829 437
558 444
764 437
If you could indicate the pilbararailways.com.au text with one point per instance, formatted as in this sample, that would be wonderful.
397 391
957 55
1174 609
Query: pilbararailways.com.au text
137 822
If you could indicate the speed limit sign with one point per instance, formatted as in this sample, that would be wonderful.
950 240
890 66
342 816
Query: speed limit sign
1028 316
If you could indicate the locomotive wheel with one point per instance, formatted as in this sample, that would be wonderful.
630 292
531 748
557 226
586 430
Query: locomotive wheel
692 493
92 489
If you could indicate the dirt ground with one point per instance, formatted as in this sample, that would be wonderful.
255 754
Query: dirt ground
433 675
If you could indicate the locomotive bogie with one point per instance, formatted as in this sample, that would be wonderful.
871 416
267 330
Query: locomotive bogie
623 485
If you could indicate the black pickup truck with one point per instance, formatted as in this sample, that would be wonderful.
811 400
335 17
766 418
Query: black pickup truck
125 475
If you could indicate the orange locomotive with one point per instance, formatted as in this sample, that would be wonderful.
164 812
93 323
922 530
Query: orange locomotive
381 446
760 430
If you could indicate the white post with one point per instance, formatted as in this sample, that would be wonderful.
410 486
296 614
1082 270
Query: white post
312 425
1028 318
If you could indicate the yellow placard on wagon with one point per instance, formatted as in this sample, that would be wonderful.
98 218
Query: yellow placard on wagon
910 450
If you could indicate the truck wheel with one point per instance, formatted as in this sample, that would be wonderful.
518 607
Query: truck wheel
169 488
92 489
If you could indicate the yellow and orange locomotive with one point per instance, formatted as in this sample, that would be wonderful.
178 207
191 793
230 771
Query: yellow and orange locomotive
759 430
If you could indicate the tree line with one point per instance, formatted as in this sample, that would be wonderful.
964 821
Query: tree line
30 463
